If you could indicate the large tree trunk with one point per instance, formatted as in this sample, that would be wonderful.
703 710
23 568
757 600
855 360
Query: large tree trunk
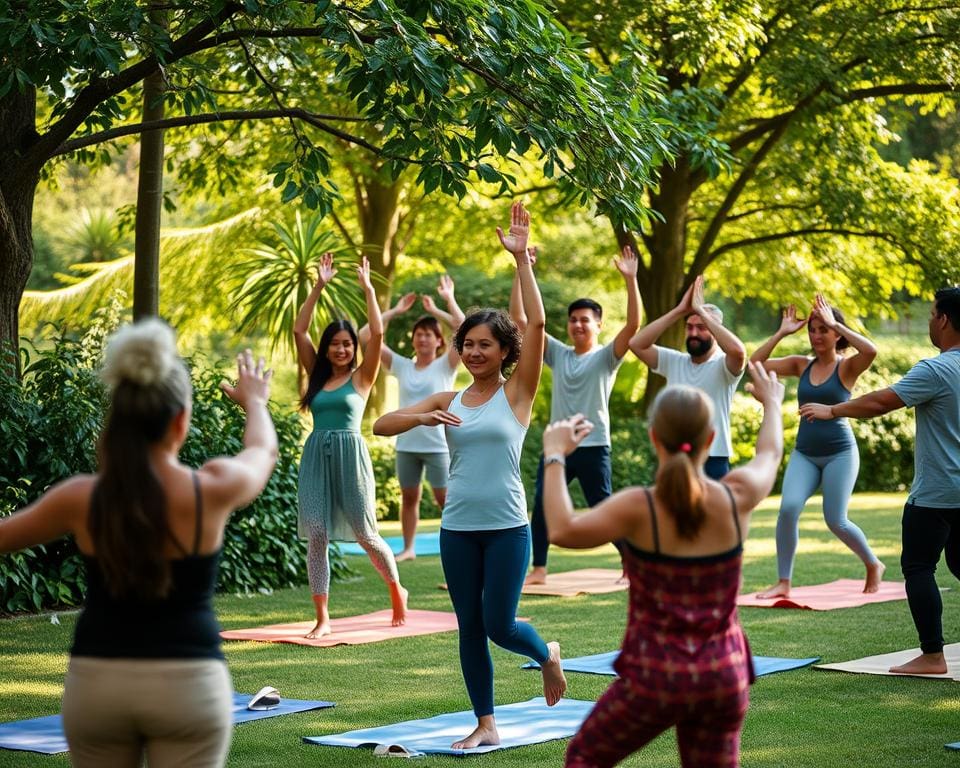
146 262
18 183
664 279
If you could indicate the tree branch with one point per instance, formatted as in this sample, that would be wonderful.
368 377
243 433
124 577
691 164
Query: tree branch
839 232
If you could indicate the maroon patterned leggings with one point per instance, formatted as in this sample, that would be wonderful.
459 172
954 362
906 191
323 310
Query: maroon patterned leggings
629 715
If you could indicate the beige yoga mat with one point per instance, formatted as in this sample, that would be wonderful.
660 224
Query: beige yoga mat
587 581
843 593
351 630
880 665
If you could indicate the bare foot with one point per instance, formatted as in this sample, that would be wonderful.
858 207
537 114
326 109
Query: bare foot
484 734
554 683
322 628
924 664
407 554
537 576
398 600
874 577
780 589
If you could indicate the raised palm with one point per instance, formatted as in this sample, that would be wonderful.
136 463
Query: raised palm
428 303
363 274
822 310
326 270
790 323
445 288
627 264
406 301
515 240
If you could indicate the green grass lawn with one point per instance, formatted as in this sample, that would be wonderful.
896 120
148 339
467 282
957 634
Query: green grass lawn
802 718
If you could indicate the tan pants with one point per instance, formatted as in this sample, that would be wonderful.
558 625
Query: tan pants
177 712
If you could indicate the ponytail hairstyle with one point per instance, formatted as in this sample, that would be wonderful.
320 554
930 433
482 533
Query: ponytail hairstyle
322 367
149 385
681 420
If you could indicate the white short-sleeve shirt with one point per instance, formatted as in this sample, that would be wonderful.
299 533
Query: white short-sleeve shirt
417 384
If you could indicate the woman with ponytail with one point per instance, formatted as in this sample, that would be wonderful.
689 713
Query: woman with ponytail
336 494
146 674
685 662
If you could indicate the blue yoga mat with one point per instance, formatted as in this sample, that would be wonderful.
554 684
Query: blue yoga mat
527 722
602 664
425 544
955 745
45 734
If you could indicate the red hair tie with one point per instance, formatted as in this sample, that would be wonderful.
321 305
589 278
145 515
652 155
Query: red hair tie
686 447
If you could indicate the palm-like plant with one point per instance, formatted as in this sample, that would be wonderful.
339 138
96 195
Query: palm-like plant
273 280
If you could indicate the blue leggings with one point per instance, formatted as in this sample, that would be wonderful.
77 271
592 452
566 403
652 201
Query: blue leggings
837 474
484 572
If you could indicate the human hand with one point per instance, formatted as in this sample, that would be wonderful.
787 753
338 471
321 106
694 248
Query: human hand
816 411
565 435
696 296
404 303
253 382
823 311
627 264
764 385
363 274
515 240
532 254
445 288
685 307
438 418
790 323
428 303
326 270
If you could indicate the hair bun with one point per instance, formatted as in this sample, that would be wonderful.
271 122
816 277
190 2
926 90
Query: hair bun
143 353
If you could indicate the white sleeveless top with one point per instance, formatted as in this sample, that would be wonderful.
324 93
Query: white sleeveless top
484 490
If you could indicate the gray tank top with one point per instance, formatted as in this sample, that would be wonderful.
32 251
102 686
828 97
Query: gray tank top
484 490
823 438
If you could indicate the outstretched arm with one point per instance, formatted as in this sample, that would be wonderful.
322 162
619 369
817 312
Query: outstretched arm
627 266
363 335
643 343
792 365
371 350
306 353
446 289
866 406
517 313
58 512
732 347
430 412
523 383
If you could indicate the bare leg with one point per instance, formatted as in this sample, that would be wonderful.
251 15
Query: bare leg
874 576
323 618
398 601
554 683
538 575
924 664
780 589
409 517
485 733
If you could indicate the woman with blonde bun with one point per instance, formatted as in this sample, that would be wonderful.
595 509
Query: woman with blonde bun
146 676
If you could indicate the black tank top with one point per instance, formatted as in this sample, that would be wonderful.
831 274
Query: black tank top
180 626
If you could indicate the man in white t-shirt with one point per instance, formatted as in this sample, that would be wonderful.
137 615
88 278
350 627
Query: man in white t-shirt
583 376
714 362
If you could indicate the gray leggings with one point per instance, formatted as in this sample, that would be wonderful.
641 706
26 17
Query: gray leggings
837 474
318 561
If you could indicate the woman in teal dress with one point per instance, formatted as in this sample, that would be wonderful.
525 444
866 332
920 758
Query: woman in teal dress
336 493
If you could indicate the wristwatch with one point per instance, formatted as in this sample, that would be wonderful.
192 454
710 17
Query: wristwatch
555 458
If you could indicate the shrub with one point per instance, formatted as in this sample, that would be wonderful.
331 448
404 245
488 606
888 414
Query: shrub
52 417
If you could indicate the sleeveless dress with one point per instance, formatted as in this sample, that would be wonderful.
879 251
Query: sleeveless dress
336 489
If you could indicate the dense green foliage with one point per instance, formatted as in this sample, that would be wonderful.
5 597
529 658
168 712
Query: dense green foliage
52 418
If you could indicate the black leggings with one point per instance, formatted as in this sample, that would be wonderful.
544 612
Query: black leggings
928 532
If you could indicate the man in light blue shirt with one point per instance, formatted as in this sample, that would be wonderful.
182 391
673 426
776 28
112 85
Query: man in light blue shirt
583 376
931 516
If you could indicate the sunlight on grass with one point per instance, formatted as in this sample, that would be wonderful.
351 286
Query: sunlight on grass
54 690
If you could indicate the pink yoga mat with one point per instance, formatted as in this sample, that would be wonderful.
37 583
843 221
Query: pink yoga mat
843 593
586 581
352 630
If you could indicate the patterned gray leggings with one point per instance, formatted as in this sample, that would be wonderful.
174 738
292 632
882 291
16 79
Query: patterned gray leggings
318 561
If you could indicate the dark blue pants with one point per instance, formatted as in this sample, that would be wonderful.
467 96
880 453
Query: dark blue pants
591 466
928 533
715 467
484 572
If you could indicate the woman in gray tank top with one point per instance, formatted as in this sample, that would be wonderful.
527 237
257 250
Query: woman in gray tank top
484 536
825 454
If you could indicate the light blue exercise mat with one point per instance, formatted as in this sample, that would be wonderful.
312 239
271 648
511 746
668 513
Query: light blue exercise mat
527 722
955 745
602 664
424 544
45 734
